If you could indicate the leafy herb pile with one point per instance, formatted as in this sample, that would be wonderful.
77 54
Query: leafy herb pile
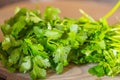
34 43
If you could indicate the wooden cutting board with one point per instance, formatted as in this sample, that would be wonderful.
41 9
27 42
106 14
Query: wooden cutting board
68 9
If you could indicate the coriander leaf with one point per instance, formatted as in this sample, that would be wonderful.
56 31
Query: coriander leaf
6 29
41 62
72 38
37 72
74 28
14 57
26 64
102 44
6 44
18 26
97 70
31 16
82 37
51 46
59 68
51 13
53 34
38 32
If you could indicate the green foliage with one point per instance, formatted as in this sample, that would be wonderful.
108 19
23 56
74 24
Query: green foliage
34 43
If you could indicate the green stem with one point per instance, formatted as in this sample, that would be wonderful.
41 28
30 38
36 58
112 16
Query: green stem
112 10
86 15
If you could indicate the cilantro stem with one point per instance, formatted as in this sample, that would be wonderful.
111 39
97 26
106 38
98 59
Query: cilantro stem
86 15
112 10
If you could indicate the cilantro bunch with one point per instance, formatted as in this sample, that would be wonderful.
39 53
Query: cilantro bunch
34 43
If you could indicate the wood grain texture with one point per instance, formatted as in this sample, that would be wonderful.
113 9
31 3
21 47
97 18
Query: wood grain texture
68 9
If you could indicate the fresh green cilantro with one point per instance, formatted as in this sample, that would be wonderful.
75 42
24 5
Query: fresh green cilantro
34 43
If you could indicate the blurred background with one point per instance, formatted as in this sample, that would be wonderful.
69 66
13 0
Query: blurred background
7 2
69 8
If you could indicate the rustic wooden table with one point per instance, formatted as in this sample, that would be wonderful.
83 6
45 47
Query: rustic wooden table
68 9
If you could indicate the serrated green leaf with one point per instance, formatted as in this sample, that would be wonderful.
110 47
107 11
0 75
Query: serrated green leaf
53 34
37 72
26 64
14 57
59 68
41 62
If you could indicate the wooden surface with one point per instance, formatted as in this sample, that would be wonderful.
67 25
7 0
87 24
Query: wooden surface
7 2
68 9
